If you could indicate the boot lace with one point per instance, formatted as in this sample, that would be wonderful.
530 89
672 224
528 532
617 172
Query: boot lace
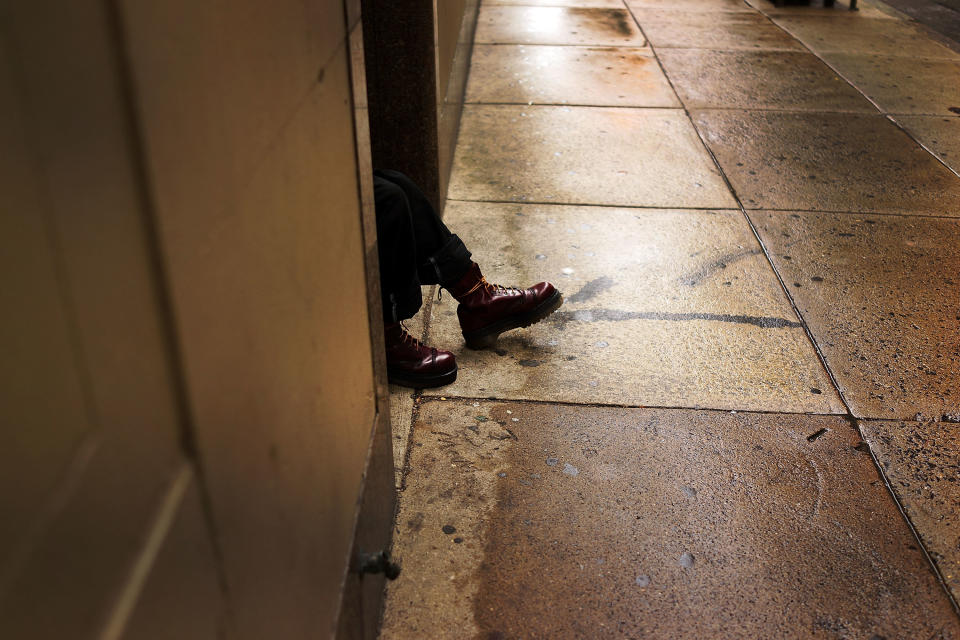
495 288
409 339
489 287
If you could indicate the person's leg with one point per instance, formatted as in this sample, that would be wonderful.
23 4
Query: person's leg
409 362
442 258
399 285
486 310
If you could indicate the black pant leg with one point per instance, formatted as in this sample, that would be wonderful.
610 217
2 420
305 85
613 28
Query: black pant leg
441 256
396 244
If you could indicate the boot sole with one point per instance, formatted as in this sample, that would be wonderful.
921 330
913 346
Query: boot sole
421 382
487 336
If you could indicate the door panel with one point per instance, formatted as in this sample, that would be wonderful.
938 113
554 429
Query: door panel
93 413
189 400
267 272
181 598
44 414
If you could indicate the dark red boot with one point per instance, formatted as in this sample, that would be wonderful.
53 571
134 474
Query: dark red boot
487 310
411 363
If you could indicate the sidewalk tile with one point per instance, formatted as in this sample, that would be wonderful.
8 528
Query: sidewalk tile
879 294
584 155
699 6
511 24
662 308
568 75
839 11
865 35
940 135
759 80
827 162
903 85
726 31
538 520
921 463
613 4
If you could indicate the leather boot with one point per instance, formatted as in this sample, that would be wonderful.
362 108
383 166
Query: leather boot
411 363
486 310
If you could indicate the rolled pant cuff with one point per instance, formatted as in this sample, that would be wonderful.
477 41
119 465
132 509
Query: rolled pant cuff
447 265
397 308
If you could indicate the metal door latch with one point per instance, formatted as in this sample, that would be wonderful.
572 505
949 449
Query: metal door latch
378 562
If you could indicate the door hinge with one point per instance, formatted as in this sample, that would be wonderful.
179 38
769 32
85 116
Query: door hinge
378 562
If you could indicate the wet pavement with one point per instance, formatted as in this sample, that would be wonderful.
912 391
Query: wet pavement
580 522
881 294
744 421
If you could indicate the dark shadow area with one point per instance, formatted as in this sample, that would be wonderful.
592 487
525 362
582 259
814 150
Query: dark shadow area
940 16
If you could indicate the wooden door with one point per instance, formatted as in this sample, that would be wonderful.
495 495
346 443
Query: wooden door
192 385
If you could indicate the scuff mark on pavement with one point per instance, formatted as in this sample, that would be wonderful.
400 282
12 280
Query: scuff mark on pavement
592 289
819 500
561 318
721 263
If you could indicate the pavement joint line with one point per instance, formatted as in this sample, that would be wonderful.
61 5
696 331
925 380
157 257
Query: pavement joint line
727 49
892 118
478 103
405 463
805 112
904 114
662 108
708 209
523 4
563 44
823 361
636 47
433 397
587 204
862 213
903 512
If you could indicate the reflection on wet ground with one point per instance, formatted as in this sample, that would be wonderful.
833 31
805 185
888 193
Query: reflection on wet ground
743 421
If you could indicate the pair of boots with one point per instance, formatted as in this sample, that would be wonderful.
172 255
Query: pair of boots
486 310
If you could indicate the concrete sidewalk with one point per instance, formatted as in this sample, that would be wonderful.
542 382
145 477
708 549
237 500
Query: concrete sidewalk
743 421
